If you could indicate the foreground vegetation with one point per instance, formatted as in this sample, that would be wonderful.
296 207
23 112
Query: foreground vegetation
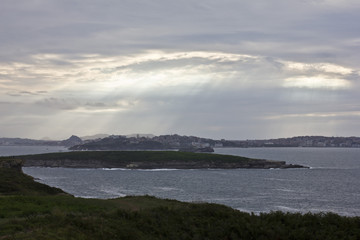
30 210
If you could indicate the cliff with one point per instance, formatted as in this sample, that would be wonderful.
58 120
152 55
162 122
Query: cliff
11 163
14 182
148 160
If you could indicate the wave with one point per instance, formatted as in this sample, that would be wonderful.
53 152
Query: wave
115 169
88 197
257 213
157 170
143 170
288 209
114 192
166 189
284 190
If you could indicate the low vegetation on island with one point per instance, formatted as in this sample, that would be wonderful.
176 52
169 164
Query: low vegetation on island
148 160
31 210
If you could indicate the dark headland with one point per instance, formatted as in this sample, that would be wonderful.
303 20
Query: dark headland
149 160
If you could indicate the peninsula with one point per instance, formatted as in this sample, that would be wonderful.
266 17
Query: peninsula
149 160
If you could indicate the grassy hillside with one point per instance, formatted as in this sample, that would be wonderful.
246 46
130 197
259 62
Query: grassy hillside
30 210
14 182
64 217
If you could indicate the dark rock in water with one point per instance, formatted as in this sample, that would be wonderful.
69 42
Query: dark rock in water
285 166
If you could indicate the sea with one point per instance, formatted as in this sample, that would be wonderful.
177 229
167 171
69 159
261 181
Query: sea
330 184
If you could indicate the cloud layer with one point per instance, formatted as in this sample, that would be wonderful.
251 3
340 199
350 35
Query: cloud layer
229 69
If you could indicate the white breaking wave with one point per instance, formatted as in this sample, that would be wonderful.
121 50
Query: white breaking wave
115 169
144 170
157 170
288 209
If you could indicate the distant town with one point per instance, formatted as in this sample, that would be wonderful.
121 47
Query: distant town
303 141
175 141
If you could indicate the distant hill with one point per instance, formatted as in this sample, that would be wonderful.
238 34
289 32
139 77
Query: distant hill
162 142
137 142
137 135
73 140
103 135
175 141
96 136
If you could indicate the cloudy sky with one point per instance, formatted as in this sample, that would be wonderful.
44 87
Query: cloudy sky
220 69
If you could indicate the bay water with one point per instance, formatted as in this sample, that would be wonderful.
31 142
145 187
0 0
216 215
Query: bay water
331 184
24 150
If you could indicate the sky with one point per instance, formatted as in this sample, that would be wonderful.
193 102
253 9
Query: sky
219 69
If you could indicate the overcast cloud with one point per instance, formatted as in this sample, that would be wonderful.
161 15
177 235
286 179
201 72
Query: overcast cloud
220 69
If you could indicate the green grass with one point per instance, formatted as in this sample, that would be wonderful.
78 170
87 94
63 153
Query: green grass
30 210
66 217
138 156
147 159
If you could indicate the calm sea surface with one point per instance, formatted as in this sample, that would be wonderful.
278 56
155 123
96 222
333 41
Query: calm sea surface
23 150
332 184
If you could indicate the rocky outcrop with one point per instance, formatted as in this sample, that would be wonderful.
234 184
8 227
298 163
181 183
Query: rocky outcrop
13 163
